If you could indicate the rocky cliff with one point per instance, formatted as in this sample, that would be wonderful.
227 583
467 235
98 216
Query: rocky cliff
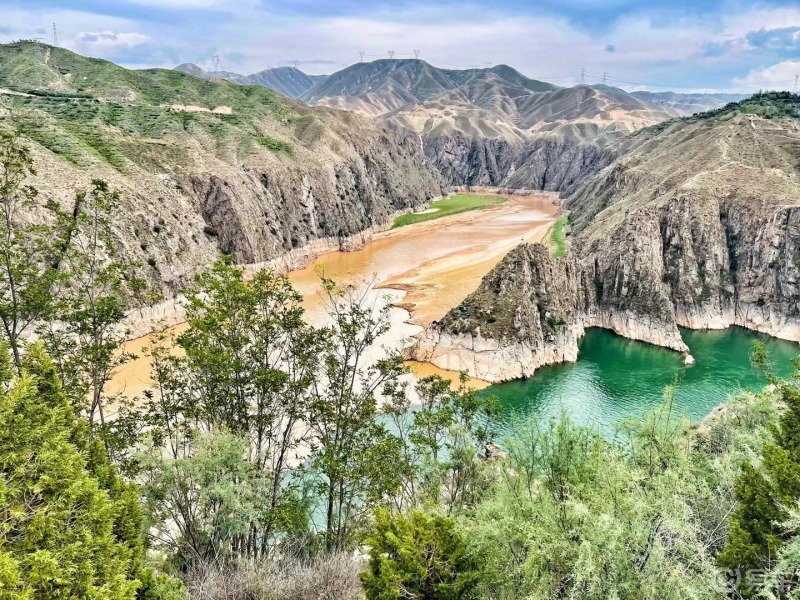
205 167
696 225
551 163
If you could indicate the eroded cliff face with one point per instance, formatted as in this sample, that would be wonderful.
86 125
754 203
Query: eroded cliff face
550 163
700 229
184 200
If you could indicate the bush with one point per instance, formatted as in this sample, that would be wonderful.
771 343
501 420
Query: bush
323 578
420 556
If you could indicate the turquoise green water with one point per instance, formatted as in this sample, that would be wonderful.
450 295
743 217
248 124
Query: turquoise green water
616 378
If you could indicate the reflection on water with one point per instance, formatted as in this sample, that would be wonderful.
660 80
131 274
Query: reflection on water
616 378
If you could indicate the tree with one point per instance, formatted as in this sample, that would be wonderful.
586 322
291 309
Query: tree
356 459
419 556
573 516
765 492
441 438
247 370
86 333
69 526
28 251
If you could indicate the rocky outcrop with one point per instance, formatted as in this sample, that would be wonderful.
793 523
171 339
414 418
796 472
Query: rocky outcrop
551 163
698 227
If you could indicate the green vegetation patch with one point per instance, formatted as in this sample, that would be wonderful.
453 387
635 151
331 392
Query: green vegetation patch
452 205
558 238
274 145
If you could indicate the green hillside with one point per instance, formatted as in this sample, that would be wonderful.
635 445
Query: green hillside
83 108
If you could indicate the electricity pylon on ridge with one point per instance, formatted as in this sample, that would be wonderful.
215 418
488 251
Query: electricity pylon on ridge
583 76
55 35
391 54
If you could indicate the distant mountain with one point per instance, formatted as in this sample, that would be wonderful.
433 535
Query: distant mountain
492 126
289 81
688 104
382 86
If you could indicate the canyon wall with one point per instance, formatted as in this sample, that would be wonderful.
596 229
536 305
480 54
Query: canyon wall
548 162
699 229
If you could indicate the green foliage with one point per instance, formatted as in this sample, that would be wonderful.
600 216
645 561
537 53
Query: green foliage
558 238
573 516
419 556
274 145
356 459
247 371
451 205
27 251
441 438
85 330
71 527
765 492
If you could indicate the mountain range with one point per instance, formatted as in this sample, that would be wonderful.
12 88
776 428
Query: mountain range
289 81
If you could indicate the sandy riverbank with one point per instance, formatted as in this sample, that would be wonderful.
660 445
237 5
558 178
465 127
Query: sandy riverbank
424 270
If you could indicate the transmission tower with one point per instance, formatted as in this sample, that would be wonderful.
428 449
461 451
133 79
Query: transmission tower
416 53
215 62
605 78
391 54
361 57
488 65
583 76
55 35
796 83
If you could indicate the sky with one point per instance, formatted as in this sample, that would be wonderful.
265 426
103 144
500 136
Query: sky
682 45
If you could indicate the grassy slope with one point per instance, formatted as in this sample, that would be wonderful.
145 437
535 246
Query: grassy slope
558 238
86 109
451 205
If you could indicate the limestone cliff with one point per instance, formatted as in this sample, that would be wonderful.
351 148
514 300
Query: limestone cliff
696 225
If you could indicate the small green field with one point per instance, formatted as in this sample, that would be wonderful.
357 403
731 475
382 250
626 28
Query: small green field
457 203
558 238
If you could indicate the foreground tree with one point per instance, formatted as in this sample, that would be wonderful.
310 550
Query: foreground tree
419 556
69 526
86 332
29 250
357 461
442 437
766 492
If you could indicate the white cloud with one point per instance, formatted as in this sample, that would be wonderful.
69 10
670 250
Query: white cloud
111 39
780 76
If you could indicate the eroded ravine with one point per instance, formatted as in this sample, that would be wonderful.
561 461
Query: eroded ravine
427 269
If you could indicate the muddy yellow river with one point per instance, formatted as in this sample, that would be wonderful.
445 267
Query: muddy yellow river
435 265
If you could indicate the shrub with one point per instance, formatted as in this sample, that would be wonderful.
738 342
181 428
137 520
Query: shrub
420 556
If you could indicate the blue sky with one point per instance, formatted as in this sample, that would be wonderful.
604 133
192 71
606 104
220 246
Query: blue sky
679 44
